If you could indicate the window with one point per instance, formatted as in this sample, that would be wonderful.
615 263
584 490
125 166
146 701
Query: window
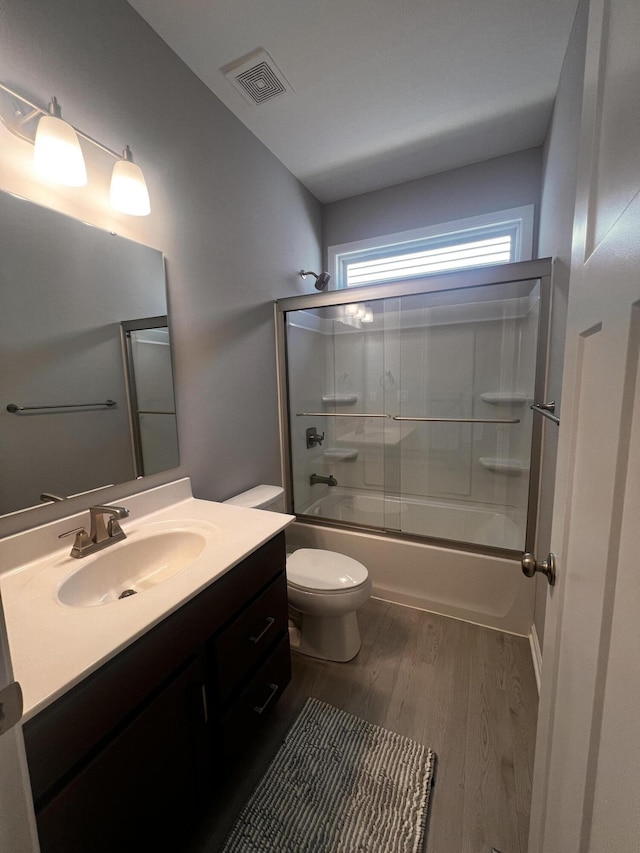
501 237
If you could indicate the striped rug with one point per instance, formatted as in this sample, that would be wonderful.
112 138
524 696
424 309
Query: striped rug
338 784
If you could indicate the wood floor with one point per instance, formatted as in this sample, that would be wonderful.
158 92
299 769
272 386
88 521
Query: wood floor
467 692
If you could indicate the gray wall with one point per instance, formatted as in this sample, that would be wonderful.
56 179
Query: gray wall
496 184
234 224
554 240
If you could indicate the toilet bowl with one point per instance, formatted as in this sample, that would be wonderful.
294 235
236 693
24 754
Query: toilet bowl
325 590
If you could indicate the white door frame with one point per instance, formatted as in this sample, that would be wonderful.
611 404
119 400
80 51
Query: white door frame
586 791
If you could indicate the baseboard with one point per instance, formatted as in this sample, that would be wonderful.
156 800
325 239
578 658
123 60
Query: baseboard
536 655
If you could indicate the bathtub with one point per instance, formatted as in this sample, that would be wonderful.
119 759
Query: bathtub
455 520
479 588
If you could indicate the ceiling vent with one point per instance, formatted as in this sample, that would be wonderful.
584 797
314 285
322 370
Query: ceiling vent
257 78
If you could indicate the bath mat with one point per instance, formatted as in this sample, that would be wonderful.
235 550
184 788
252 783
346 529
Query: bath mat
338 784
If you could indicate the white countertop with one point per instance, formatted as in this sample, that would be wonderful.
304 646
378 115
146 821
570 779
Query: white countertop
53 645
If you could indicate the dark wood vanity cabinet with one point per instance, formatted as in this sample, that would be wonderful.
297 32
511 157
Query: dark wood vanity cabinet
123 759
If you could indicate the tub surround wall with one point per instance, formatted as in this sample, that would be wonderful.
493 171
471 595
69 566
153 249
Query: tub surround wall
234 224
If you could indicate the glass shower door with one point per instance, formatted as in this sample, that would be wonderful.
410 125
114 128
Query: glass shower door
151 395
337 419
467 368
411 412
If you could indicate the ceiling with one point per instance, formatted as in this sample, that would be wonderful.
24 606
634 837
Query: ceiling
385 91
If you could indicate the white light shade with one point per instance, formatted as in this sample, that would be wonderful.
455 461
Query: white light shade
129 190
368 316
361 312
351 309
57 155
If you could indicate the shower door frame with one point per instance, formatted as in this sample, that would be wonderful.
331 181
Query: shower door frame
521 271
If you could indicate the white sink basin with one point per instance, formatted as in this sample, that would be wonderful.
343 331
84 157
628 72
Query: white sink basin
131 566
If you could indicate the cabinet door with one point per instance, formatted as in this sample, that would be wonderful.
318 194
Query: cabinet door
142 787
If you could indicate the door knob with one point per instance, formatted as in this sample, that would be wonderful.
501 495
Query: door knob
547 567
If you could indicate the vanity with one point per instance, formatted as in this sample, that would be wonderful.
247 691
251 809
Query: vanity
136 707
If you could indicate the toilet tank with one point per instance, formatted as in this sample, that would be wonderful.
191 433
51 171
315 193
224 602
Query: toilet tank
260 497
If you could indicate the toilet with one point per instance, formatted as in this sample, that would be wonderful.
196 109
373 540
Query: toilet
325 590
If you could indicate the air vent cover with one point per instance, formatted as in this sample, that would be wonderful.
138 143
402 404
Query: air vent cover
257 77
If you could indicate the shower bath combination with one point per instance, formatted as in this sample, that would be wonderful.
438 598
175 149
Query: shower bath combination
433 445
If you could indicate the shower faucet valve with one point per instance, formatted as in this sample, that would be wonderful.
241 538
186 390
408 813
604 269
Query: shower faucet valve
314 437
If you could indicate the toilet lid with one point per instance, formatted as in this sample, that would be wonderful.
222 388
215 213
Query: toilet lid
314 568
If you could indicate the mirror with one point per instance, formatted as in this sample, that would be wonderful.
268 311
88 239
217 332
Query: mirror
85 359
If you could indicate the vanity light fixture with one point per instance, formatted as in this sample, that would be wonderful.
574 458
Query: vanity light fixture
368 316
58 156
128 187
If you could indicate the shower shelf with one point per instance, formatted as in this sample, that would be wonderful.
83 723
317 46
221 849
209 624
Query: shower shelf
338 454
504 398
339 399
504 466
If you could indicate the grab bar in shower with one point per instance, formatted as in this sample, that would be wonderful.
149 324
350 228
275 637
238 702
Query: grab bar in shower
460 420
336 415
546 410
14 408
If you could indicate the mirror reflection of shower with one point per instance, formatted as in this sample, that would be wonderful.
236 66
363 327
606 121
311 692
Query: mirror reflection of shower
154 431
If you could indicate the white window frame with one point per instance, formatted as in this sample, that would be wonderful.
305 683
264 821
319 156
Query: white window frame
517 220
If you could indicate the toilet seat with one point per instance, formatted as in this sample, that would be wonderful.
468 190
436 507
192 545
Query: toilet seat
325 571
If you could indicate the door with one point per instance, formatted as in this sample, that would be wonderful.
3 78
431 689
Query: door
586 782
469 362
17 823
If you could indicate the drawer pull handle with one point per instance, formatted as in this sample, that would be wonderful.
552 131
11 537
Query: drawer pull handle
205 707
260 709
256 639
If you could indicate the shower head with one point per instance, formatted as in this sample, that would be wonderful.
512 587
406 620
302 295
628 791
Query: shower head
322 280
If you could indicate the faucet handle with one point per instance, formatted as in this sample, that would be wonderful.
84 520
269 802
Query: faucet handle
114 529
79 530
81 542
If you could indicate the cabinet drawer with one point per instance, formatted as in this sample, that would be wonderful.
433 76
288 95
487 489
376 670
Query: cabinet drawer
256 700
246 640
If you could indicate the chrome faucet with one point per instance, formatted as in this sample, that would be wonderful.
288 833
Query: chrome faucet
111 531
100 534
328 481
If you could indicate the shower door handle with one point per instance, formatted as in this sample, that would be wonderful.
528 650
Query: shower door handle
546 567
546 410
